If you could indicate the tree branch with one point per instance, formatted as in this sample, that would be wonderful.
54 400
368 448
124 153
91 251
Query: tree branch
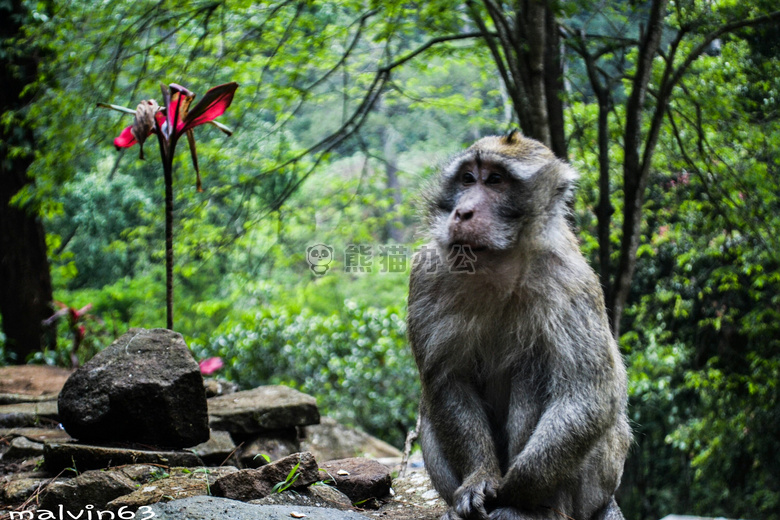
709 38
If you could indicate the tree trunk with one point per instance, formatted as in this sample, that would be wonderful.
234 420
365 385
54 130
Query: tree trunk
526 48
390 144
25 281
634 169
554 84
604 210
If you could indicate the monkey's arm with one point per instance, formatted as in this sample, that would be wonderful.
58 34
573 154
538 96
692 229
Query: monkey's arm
455 432
458 444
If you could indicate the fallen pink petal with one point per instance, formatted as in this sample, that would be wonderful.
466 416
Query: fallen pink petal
210 365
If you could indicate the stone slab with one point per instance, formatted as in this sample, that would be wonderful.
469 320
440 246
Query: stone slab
60 456
24 415
36 434
214 508
217 449
359 478
251 484
26 383
330 440
263 409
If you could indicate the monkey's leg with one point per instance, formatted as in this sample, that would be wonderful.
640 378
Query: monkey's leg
522 416
551 460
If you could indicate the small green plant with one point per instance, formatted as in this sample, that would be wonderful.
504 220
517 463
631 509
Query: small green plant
292 476
158 474
325 482
264 456
73 467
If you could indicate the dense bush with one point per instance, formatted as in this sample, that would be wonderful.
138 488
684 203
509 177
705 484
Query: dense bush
356 362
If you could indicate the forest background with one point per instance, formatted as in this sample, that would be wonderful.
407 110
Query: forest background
669 109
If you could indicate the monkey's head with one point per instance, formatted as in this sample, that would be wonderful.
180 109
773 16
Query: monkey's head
496 193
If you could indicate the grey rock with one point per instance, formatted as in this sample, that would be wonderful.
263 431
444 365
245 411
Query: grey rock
162 490
263 409
312 496
36 434
214 474
360 479
21 448
251 484
140 473
331 440
330 496
61 456
217 449
214 508
145 388
91 487
145 473
19 489
24 415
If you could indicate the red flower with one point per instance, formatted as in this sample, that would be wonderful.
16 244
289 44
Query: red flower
210 365
175 119
178 114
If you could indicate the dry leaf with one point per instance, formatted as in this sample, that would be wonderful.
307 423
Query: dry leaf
144 121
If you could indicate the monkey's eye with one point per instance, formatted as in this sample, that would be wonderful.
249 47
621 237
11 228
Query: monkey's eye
468 178
494 178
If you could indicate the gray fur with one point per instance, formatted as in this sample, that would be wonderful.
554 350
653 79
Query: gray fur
523 387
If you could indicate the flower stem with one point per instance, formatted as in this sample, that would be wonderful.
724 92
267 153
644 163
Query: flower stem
166 154
168 172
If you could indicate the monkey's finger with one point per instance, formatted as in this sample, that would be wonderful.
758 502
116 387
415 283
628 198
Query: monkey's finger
471 505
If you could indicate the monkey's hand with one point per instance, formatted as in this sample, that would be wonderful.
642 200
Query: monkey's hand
471 497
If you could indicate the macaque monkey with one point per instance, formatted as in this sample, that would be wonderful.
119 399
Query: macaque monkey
523 409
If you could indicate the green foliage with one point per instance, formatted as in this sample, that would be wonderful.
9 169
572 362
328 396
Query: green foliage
356 362
704 352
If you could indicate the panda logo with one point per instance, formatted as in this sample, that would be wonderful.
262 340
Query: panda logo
319 257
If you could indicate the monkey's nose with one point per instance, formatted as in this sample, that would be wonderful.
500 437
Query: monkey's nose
463 214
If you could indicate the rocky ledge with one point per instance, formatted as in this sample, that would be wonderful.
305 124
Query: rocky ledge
268 453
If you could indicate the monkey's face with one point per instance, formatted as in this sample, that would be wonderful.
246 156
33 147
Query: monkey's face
496 192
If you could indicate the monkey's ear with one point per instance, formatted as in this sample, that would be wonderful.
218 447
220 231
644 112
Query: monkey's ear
512 137
567 180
